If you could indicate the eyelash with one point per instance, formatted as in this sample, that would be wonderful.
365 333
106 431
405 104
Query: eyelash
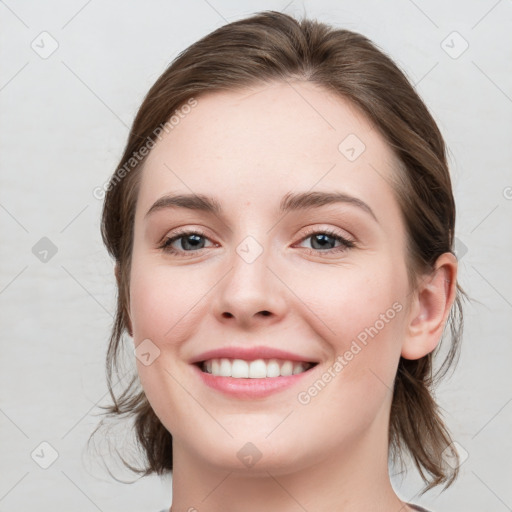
166 247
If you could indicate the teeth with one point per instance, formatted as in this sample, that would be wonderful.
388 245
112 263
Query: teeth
287 369
225 368
258 369
273 368
239 369
298 368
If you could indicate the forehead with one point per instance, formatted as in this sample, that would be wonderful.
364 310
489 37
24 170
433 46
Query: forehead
252 146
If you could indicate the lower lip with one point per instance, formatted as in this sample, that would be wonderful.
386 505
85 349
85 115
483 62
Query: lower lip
250 388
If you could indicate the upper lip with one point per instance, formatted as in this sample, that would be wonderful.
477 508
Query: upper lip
251 354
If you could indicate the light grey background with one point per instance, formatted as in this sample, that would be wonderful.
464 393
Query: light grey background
65 119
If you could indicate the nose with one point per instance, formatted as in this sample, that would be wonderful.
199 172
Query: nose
250 294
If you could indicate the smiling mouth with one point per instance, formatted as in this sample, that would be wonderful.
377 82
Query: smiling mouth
256 369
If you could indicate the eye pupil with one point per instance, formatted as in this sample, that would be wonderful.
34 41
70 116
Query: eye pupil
193 240
322 239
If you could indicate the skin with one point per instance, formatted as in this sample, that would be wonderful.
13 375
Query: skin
248 149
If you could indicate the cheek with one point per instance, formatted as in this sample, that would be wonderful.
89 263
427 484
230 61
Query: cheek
164 306
356 385
351 301
362 314
164 303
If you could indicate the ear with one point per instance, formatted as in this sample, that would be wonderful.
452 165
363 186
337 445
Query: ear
127 313
430 308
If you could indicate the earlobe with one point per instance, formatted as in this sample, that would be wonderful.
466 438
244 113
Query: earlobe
431 308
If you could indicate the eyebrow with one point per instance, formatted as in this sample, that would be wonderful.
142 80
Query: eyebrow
290 202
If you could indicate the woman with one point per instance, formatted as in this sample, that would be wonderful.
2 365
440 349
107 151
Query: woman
282 224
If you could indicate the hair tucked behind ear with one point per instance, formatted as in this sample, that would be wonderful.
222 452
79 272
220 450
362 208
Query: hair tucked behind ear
269 47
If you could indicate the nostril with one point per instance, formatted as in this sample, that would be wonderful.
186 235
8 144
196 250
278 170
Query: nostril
265 313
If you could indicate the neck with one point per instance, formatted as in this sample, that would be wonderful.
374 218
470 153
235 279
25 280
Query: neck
352 479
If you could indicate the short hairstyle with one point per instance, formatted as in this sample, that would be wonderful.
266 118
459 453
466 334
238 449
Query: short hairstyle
261 49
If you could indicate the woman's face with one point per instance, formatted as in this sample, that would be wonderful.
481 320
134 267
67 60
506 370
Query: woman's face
258 279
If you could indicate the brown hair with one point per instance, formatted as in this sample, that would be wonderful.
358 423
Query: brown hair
272 46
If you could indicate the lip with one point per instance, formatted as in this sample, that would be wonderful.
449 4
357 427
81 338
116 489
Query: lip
249 388
251 354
